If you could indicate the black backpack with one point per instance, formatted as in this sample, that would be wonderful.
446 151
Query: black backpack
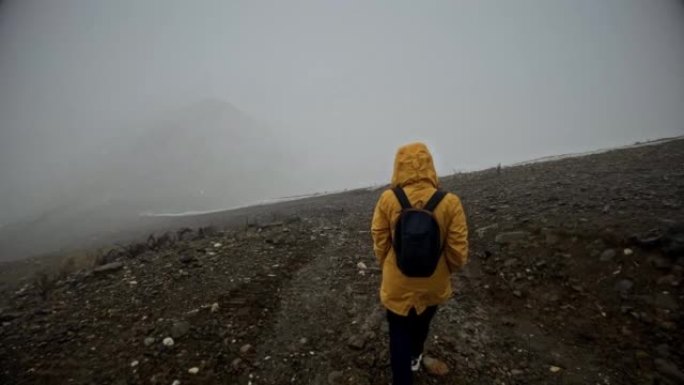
417 236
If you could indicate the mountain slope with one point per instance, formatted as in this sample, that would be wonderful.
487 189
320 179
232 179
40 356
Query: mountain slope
574 278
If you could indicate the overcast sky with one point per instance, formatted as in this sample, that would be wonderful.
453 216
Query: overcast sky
482 82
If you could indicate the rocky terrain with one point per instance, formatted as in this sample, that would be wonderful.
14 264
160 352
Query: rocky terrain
575 277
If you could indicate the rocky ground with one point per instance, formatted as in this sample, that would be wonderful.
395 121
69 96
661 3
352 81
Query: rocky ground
574 278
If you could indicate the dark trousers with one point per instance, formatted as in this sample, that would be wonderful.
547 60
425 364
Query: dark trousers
407 337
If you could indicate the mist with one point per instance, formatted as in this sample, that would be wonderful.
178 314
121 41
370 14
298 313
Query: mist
113 109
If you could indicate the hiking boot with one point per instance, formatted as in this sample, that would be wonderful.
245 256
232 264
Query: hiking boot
415 363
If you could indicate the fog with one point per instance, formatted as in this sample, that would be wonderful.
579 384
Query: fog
168 106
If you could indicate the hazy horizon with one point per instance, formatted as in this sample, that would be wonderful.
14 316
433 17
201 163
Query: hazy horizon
100 100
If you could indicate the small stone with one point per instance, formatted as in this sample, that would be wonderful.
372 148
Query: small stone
193 370
554 369
179 329
665 301
214 307
669 279
624 285
517 293
668 369
168 341
628 251
511 237
236 363
246 348
517 372
551 239
506 321
356 342
510 262
663 350
176 382
335 377
361 266
661 263
148 341
303 341
109 267
434 366
607 255
217 245
185 258
5 317
134 363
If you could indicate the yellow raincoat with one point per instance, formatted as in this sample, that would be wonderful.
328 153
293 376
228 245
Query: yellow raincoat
415 173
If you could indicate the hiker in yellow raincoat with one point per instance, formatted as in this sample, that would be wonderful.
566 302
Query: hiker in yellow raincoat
420 238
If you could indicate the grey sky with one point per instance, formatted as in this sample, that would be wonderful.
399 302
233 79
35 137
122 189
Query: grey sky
340 83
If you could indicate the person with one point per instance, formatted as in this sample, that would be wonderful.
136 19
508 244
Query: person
411 299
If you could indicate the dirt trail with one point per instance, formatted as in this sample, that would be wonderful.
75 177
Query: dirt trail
574 278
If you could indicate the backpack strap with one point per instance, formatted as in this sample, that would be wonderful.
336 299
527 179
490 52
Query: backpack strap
401 196
437 197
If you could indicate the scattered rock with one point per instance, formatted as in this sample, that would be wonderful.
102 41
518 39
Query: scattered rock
193 370
669 370
236 363
507 321
148 341
434 366
214 307
623 286
607 255
179 329
335 377
669 279
168 341
356 342
628 251
481 231
551 239
134 363
109 267
665 301
661 263
663 350
648 241
511 237
185 258
9 316
361 266
510 262
554 369
245 349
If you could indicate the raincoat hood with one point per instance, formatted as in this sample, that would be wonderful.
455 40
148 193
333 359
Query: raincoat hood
413 164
